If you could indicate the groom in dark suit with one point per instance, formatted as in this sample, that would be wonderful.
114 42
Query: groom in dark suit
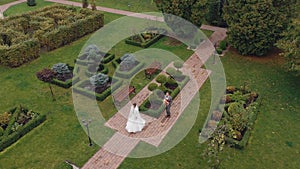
168 102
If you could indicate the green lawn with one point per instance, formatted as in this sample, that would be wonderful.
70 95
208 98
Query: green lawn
128 5
274 142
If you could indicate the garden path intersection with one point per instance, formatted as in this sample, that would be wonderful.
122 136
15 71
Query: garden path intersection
119 146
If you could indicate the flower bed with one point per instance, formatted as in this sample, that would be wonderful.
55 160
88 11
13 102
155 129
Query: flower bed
146 38
64 79
82 59
87 89
126 73
239 116
19 122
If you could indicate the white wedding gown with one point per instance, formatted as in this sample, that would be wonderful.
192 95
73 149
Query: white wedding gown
135 122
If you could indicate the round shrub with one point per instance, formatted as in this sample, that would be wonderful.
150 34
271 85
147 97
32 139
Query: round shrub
178 64
161 78
171 71
223 45
171 81
219 50
99 80
61 68
152 86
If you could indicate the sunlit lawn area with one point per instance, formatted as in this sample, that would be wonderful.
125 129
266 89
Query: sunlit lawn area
274 142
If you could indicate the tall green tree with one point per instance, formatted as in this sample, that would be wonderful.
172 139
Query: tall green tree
290 44
191 10
254 26
214 16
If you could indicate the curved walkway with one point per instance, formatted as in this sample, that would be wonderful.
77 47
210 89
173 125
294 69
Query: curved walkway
112 153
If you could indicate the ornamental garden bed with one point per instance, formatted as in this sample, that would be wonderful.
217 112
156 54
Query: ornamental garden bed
239 115
22 36
16 123
61 75
93 54
98 86
154 106
146 38
127 66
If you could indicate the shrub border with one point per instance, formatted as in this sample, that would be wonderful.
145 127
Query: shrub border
15 136
144 44
91 94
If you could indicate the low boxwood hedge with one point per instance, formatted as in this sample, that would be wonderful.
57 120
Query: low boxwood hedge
144 44
15 136
127 74
66 84
107 58
100 97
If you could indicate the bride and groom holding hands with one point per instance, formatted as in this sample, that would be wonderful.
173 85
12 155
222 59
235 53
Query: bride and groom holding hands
136 123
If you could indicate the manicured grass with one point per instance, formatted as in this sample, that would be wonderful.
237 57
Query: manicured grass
23 7
128 5
2 2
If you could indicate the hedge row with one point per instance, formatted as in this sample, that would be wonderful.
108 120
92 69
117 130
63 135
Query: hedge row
66 34
127 74
143 44
104 71
12 138
18 54
65 84
100 97
107 58
39 31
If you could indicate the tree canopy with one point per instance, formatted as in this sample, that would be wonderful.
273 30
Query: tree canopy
254 26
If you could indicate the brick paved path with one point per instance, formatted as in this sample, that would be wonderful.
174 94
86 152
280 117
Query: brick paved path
115 150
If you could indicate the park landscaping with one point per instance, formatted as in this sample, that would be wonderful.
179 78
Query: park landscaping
273 143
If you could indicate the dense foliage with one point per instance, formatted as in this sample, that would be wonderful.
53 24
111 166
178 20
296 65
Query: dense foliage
254 26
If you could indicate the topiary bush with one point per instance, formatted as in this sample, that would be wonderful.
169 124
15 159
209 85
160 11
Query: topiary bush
178 64
128 61
161 78
61 68
99 80
152 86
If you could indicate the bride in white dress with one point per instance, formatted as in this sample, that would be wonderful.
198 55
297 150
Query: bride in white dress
135 122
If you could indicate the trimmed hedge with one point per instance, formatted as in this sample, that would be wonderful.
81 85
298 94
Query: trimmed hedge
173 94
49 28
107 58
127 74
100 97
152 86
18 54
104 71
65 84
66 34
12 138
144 44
